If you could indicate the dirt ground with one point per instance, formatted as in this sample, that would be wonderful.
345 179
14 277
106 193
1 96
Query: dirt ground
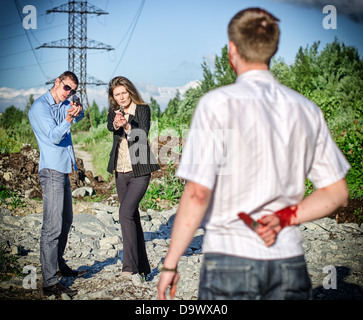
352 213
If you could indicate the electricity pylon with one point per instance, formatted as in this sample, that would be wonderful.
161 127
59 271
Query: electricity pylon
78 43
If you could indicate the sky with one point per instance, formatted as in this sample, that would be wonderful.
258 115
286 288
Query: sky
158 44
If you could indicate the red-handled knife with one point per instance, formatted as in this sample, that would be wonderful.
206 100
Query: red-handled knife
253 224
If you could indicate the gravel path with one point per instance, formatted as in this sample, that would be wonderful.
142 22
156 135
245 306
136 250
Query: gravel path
85 156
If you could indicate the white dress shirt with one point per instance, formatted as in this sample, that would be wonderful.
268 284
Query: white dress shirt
253 143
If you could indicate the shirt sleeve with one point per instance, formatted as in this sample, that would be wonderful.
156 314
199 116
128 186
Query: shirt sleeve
79 117
41 116
127 131
329 164
141 131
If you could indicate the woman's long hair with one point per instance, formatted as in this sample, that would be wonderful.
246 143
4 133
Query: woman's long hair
131 89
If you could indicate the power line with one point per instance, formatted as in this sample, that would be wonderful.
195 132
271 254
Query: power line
77 42
44 62
138 13
16 22
14 53
21 18
30 65
22 35
37 31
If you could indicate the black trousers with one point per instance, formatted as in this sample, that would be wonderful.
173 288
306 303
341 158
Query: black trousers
130 191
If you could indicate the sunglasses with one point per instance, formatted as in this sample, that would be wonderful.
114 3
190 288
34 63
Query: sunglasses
68 88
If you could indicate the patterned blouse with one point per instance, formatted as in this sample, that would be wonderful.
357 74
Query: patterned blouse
123 159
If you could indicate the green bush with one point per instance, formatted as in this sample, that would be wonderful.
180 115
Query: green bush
168 188
331 77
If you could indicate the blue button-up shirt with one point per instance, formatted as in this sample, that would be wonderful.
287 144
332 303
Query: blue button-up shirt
53 133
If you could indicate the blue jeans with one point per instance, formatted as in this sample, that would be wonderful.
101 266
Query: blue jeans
57 221
225 277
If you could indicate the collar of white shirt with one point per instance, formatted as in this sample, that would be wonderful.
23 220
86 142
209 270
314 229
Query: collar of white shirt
262 75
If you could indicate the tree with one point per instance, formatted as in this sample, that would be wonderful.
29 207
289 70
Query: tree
305 69
333 79
188 105
173 106
155 109
104 114
208 78
224 74
94 114
281 71
11 117
29 104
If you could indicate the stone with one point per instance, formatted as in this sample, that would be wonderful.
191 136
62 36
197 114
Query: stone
65 296
82 192
89 224
19 173
95 245
11 220
102 294
7 176
104 217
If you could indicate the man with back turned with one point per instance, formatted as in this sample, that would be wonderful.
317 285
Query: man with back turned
248 190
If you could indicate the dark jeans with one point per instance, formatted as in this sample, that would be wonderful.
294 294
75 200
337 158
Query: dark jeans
57 220
225 277
130 191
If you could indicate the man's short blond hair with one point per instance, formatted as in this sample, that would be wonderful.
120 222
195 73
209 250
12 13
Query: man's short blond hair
256 33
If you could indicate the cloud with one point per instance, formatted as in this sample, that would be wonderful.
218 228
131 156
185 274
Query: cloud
352 9
163 94
210 60
19 97
99 95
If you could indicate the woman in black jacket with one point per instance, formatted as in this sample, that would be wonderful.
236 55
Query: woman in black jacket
133 163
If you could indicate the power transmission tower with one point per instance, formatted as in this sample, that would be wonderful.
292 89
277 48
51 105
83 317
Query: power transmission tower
78 43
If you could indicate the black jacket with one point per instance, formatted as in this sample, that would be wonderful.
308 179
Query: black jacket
142 159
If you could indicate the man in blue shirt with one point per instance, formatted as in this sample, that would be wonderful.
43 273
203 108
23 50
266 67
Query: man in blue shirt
51 117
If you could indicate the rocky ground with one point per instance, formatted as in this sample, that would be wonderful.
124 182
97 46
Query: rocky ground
333 245
333 252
